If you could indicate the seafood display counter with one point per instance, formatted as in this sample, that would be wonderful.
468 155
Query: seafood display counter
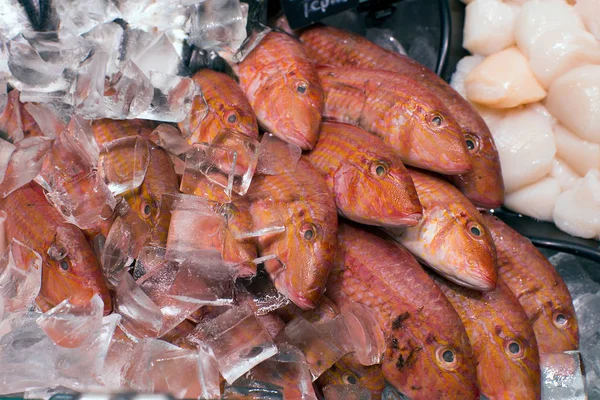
211 199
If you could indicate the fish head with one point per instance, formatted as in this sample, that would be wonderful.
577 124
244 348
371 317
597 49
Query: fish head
465 250
305 250
556 320
437 137
237 249
295 107
71 271
376 190
221 116
348 371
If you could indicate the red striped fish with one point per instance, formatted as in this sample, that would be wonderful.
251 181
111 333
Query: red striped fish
369 181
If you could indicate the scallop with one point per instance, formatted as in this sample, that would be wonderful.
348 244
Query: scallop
589 12
463 68
565 175
536 200
489 26
580 154
540 16
503 80
577 210
526 147
559 51
581 112
491 116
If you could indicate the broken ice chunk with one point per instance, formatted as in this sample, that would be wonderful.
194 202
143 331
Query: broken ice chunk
27 66
210 387
173 97
60 48
246 149
366 336
159 56
117 251
343 392
70 324
276 156
286 373
266 219
49 123
25 163
562 377
238 341
107 38
82 16
169 138
320 353
203 285
218 24
89 87
141 317
20 276
123 163
158 366
149 260
127 93
14 19
6 151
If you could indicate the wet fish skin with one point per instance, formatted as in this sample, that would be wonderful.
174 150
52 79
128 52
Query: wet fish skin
399 110
538 287
451 237
282 85
308 245
370 183
348 371
227 105
380 274
495 322
34 222
483 185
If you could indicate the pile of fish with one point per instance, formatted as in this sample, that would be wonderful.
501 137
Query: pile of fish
337 248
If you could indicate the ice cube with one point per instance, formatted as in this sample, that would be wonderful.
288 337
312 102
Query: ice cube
173 97
218 24
70 324
85 202
276 156
261 291
319 351
150 259
577 279
82 137
202 177
127 93
46 118
49 392
210 387
246 149
159 56
14 19
266 219
158 366
117 252
82 16
61 48
562 377
286 373
28 67
123 163
385 38
89 87
20 276
119 353
342 392
141 317
169 138
238 341
6 151
197 284
107 38
25 163
365 334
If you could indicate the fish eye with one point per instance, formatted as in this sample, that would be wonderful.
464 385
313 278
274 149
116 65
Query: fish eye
232 118
301 87
436 120
446 357
379 169
146 209
471 142
308 231
475 229
228 211
560 320
349 378
514 349
64 265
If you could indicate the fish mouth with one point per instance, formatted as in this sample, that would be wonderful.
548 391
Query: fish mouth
477 282
297 298
403 221
299 141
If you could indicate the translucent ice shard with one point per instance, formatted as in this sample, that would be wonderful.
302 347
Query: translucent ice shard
318 349
172 100
46 118
117 252
266 219
218 24
367 340
342 392
238 341
150 260
89 87
123 163
61 48
141 317
82 16
159 56
28 67
286 373
20 276
25 163
169 138
14 19
275 155
197 284
107 38
70 325
562 377
127 93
